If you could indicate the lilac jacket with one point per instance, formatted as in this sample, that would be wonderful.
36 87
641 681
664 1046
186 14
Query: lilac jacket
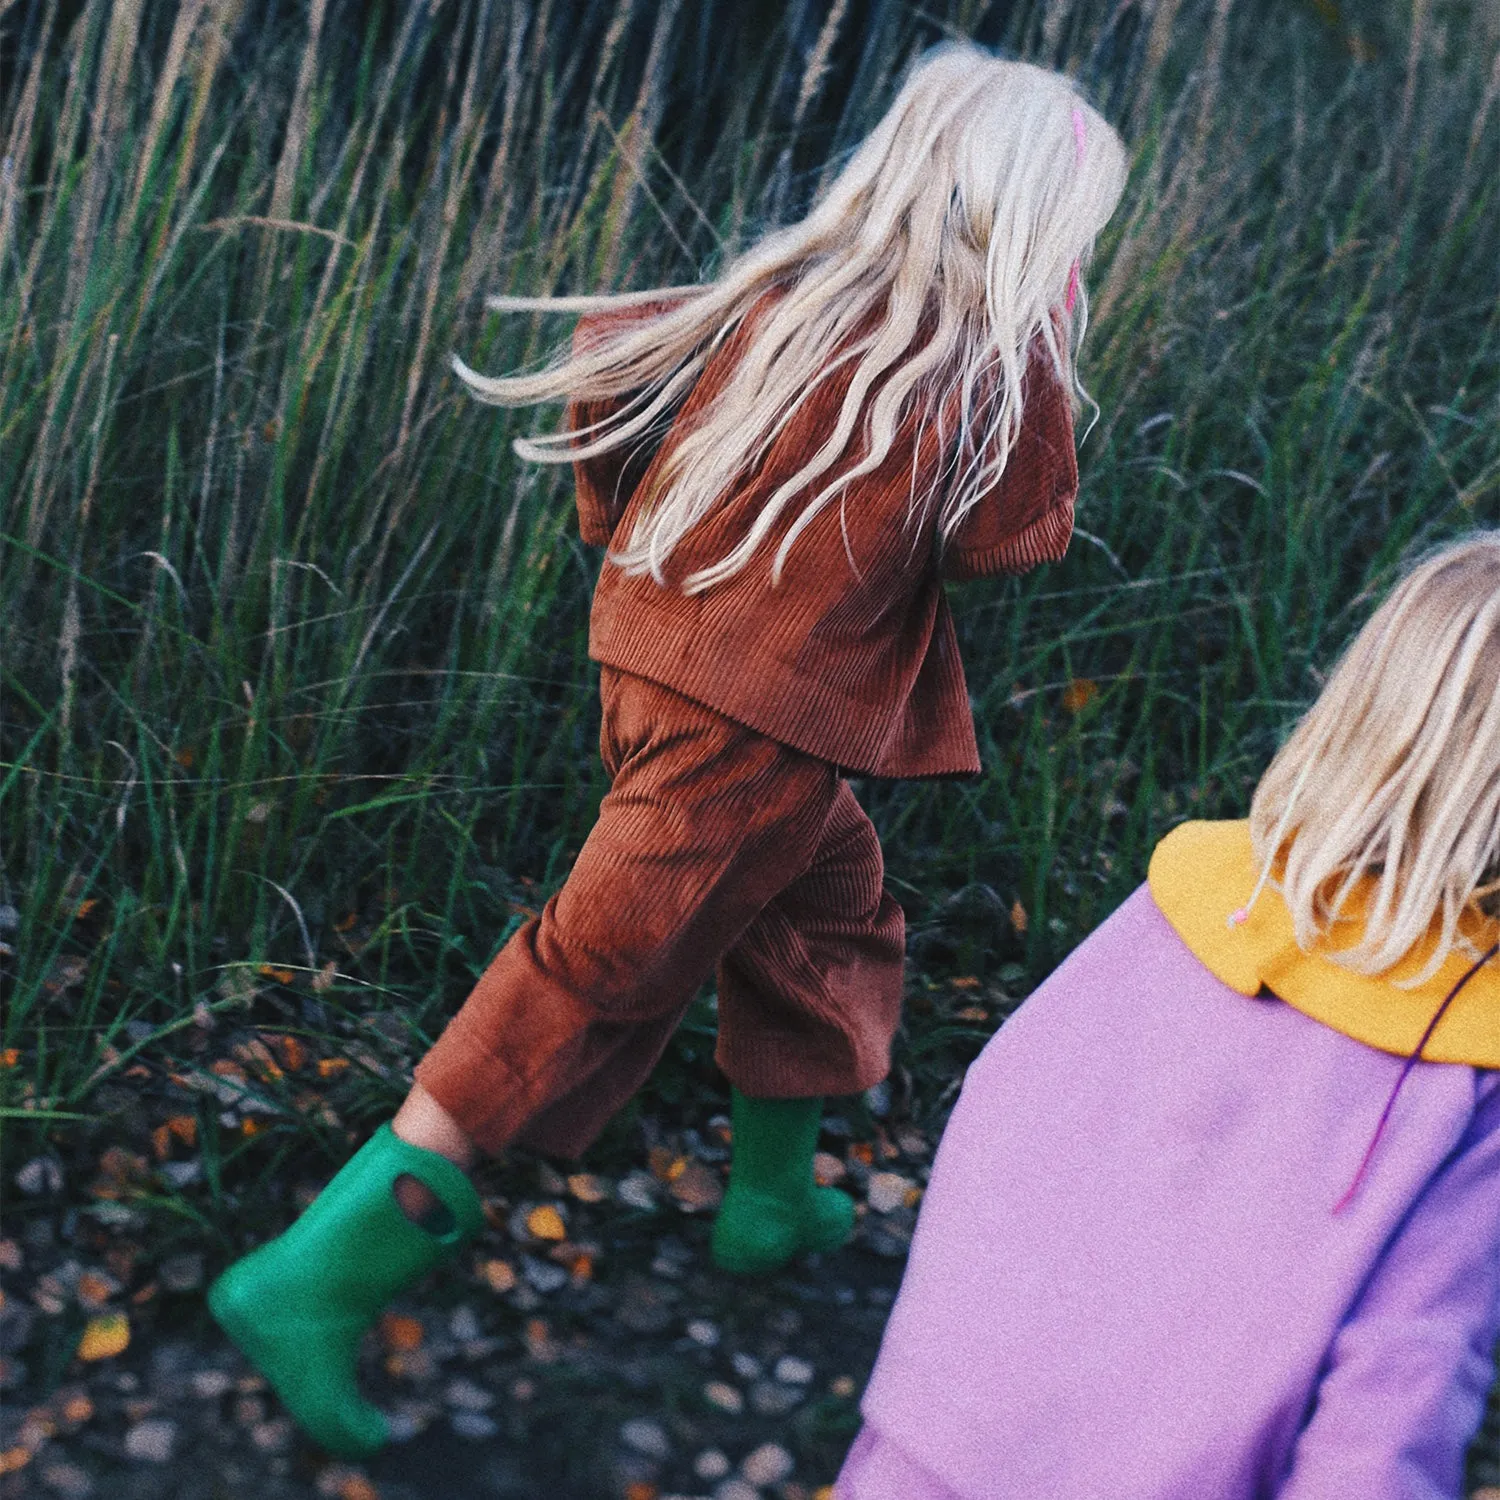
1127 1282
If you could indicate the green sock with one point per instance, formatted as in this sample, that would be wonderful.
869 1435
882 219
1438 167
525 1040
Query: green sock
773 1211
299 1305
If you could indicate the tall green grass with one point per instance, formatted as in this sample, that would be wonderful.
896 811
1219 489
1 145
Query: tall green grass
293 648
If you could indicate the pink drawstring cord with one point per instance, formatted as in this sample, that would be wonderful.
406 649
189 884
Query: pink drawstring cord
1411 1062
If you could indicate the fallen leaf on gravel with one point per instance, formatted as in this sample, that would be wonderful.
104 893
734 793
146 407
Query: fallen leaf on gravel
1019 921
539 1344
95 1290
500 1275
660 1160
270 971
965 982
13 1459
398 1332
545 1223
10 1057
75 1408
972 1013
328 1066
641 1490
104 1337
290 1051
862 1152
256 1056
587 1188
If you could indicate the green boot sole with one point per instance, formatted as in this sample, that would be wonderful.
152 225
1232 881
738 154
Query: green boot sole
757 1233
298 1306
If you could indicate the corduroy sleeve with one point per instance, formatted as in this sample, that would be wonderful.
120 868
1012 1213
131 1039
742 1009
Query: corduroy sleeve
606 482
1028 517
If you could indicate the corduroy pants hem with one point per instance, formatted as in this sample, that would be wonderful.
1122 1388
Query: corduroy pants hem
716 850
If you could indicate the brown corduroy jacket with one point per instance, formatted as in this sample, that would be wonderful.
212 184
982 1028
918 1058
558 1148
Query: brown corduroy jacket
860 669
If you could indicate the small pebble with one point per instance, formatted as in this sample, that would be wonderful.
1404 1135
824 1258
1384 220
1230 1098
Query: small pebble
464 1324
467 1396
828 1169
552 1183
11 1258
767 1465
887 1191
272 1436
543 1275
403 1426
180 1174
736 1489
10 921
645 1437
842 1386
40 1175
152 1440
711 1464
67 1480
473 1424
719 1393
746 1366
208 1384
182 1273
793 1371
878 1100
769 1398
702 1332
638 1190
249 1410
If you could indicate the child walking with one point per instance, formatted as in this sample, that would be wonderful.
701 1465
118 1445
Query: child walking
1218 1210
785 464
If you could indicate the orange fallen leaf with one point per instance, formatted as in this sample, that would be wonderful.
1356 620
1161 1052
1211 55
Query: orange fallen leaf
184 758
93 1290
10 1057
1019 921
538 1338
972 1013
660 1160
587 1188
357 1487
545 1223
223 1068
345 922
104 1337
185 1128
85 907
399 1333
965 982
13 1459
1079 694
640 1489
270 971
291 1052
582 1269
161 1142
328 1066
76 1409
863 1152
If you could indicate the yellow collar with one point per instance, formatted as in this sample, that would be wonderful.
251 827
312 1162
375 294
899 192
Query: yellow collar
1201 872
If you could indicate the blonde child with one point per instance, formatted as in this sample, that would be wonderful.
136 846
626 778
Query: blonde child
1217 1213
785 464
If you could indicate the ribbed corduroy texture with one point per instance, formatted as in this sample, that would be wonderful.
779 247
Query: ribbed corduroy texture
858 668
714 846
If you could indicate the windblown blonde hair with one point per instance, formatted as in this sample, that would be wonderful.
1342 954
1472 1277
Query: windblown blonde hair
1394 773
964 213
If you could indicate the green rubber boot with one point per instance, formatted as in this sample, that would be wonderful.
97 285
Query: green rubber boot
299 1305
772 1211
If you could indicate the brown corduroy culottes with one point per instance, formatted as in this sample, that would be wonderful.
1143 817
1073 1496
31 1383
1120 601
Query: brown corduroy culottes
716 847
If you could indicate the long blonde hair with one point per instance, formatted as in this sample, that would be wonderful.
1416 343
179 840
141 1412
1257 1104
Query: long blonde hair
966 211
1393 775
